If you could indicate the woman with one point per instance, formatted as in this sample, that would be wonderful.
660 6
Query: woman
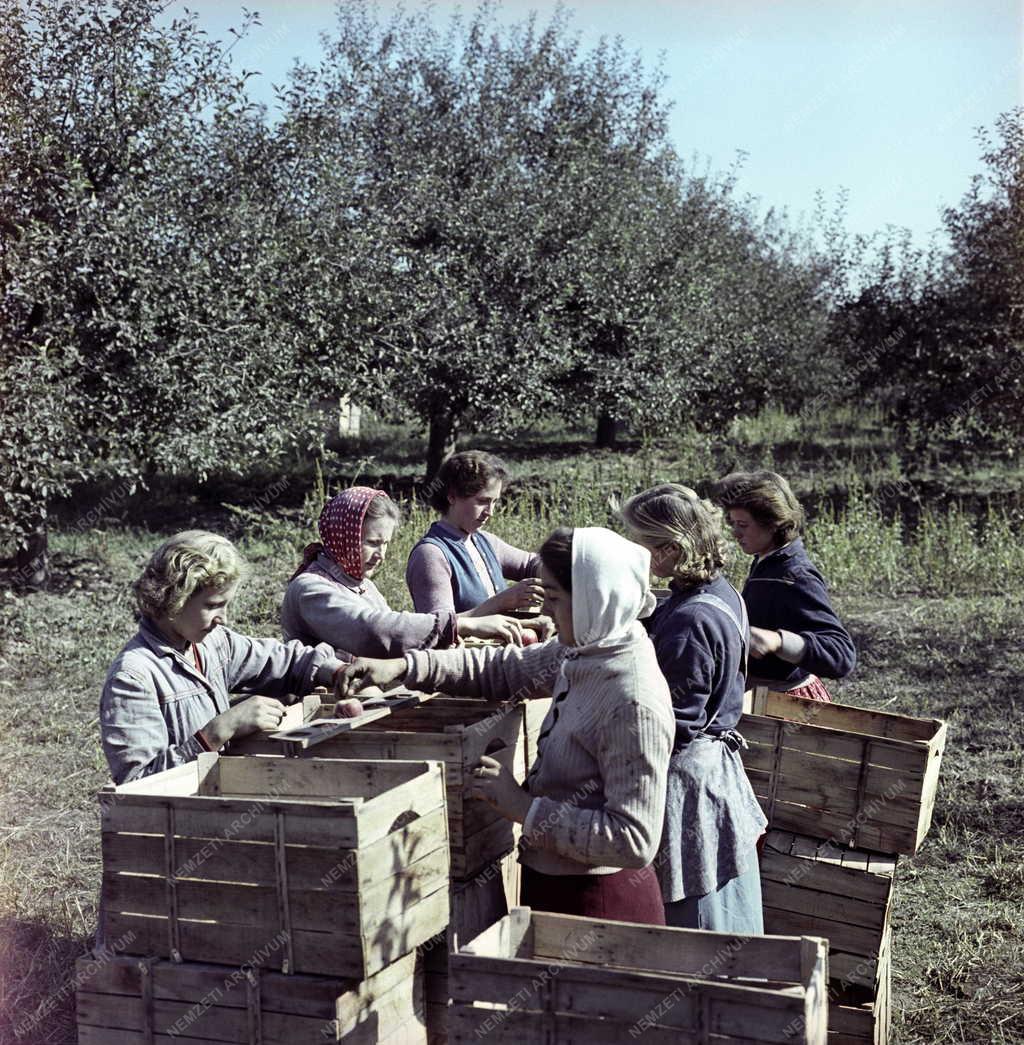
593 801
795 634
457 566
707 863
331 597
165 698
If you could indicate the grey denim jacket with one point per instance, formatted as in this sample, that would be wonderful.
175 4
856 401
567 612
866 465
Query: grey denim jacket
154 700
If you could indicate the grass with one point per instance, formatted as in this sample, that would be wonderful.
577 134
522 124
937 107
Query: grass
927 604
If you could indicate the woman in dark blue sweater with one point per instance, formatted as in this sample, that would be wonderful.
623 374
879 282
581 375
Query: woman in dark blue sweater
795 634
707 863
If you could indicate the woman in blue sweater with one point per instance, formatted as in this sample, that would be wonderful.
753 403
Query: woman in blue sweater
707 862
795 634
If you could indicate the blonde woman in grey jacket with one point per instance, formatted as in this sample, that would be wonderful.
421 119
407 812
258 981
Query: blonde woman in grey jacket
167 694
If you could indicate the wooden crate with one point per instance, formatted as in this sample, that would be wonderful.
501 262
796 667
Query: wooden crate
344 865
861 1015
475 906
456 731
815 888
148 1001
536 978
863 778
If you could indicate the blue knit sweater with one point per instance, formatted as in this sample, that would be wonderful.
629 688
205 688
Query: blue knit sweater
785 591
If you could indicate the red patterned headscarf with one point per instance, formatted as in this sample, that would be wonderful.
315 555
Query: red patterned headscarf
341 530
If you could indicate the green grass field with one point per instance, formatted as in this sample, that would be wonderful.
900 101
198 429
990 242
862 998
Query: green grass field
934 607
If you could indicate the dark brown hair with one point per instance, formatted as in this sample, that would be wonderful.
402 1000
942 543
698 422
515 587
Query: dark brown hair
556 554
768 498
463 475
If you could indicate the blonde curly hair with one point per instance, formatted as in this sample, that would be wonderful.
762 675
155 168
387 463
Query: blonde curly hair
188 561
671 513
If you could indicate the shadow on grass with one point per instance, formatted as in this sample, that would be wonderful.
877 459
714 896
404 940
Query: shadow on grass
37 985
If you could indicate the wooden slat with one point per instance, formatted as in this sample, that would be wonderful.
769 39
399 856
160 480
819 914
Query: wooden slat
853 968
825 878
482 849
257 905
190 982
825 824
780 921
910 756
844 716
679 951
467 1024
329 954
309 867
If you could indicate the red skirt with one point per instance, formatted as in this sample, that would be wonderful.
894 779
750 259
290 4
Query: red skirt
625 896
813 690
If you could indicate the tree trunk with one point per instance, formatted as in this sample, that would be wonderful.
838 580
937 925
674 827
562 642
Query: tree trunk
32 562
607 432
440 442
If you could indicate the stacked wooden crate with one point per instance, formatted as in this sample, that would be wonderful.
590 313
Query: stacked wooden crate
484 866
328 873
846 792
536 978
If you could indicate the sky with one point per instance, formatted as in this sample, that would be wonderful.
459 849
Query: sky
880 98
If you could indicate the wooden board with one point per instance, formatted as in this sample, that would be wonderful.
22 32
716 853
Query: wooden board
337 885
540 977
130 1001
861 778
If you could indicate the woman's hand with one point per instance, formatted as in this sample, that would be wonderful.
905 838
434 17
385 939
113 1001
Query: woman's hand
496 785
245 717
764 642
541 626
350 708
364 671
507 630
522 595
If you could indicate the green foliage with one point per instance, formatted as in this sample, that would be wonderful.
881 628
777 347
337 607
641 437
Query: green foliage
948 332
538 245
143 255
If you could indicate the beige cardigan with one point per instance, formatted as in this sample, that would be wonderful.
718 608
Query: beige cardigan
599 779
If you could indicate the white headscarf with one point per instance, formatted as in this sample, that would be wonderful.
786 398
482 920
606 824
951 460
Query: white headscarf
610 587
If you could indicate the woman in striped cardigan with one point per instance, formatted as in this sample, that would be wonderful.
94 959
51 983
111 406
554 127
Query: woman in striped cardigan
593 801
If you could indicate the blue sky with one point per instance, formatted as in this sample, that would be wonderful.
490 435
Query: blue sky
879 98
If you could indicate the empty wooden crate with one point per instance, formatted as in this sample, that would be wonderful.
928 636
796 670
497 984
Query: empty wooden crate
536 978
342 865
135 1001
820 889
863 778
456 731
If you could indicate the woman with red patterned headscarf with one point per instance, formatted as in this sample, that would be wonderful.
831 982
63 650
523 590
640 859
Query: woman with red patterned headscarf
331 597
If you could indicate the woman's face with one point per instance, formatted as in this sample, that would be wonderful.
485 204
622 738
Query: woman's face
377 534
750 535
471 513
664 557
557 606
205 610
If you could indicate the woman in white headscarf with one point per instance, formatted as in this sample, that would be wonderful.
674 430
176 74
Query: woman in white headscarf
594 799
